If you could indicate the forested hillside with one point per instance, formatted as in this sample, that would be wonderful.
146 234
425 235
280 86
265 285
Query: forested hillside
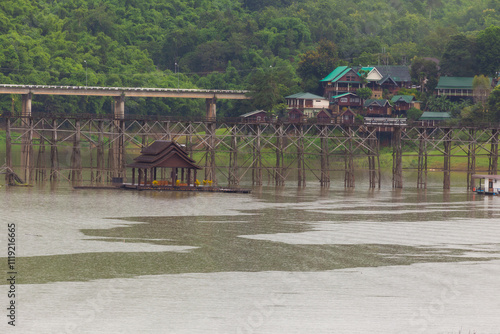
285 46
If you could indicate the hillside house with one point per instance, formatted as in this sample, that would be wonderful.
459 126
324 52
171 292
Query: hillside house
401 103
308 103
325 116
296 116
257 116
349 100
378 78
378 107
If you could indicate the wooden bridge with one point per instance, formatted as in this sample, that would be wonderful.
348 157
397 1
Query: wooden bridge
91 149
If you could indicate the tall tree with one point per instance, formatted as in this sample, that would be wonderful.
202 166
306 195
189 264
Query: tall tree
316 64
488 45
459 57
481 86
424 72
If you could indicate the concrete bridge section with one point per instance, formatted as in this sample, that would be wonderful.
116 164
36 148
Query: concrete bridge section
120 93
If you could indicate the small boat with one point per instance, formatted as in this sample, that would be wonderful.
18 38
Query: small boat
488 184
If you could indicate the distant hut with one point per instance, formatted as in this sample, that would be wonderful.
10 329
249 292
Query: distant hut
347 117
325 116
257 116
164 154
296 116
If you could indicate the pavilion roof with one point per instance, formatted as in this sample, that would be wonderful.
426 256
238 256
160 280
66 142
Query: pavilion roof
163 153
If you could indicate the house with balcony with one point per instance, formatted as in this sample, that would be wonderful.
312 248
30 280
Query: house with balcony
346 100
401 103
308 103
456 88
378 78
342 80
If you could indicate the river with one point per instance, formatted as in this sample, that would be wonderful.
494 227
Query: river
280 260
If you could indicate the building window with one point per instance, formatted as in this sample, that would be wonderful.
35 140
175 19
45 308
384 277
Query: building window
344 99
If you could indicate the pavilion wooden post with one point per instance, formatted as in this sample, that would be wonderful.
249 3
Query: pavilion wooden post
133 176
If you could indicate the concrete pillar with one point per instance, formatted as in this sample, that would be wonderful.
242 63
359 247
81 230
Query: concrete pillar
211 110
26 102
119 107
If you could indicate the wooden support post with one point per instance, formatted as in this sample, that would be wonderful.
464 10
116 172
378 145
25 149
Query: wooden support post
76 158
422 160
301 171
257 157
27 148
373 159
54 159
325 163
397 159
100 153
280 167
139 177
349 160
447 156
40 170
9 177
471 159
493 156
210 153
133 176
233 179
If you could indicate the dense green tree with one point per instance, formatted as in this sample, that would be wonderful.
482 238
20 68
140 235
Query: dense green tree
488 45
459 57
424 72
316 64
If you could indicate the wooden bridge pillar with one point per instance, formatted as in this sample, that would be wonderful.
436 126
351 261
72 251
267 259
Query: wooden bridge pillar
422 160
325 164
301 170
257 157
233 159
211 107
349 160
279 176
54 160
397 159
471 159
210 153
447 159
9 177
493 158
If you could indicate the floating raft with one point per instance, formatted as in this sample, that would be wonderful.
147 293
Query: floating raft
170 188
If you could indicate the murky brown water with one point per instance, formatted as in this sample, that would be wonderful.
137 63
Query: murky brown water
276 261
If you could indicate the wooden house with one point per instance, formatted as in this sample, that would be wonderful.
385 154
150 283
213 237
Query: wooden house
456 88
346 100
374 107
296 116
432 118
257 116
308 103
401 103
394 77
325 116
347 117
164 154
341 80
